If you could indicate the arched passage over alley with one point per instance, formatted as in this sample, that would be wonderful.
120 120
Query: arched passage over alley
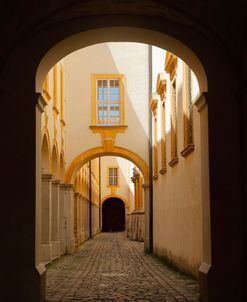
151 120
201 28
111 115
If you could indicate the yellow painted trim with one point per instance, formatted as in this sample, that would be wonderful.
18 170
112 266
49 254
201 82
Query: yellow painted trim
174 122
161 89
161 83
46 96
108 134
84 157
62 122
45 89
186 116
153 103
171 64
97 76
115 196
153 107
55 89
187 150
62 95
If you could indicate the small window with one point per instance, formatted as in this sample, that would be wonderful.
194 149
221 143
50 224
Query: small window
113 176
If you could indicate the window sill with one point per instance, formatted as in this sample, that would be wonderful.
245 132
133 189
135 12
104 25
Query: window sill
109 186
163 170
108 127
55 110
155 176
62 122
173 162
46 96
187 150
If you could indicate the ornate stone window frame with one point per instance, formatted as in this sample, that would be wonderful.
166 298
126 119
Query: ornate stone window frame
161 90
187 112
108 132
153 107
171 68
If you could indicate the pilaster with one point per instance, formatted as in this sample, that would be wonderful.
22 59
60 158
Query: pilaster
76 201
62 219
80 218
55 242
148 236
69 217
46 196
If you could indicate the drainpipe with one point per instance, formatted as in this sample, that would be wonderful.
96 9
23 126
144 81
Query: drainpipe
90 200
100 210
150 153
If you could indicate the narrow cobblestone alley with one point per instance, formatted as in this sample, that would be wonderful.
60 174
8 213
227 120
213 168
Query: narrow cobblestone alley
109 267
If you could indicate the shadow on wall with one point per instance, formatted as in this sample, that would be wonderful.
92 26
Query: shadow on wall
100 59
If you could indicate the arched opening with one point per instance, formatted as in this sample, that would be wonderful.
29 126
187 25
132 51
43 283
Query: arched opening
54 162
120 34
45 155
113 215
86 156
218 55
62 168
110 148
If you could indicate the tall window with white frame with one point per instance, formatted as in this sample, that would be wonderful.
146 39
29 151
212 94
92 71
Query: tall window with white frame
161 90
187 111
108 100
174 153
171 68
153 107
113 176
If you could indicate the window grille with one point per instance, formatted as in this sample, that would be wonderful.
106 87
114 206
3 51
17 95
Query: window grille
108 102
113 177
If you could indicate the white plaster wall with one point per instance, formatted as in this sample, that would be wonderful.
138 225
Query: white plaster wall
177 206
130 59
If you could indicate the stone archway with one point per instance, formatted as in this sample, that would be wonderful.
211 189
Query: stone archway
149 37
113 215
84 157
26 50
120 34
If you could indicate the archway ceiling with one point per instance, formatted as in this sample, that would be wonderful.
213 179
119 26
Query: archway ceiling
220 21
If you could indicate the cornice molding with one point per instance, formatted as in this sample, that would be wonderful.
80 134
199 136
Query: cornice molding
201 102
171 64
173 162
161 83
154 103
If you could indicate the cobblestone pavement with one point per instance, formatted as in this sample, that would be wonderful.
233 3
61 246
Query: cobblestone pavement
109 267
